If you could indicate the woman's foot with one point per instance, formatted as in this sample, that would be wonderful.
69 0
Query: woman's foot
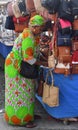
30 125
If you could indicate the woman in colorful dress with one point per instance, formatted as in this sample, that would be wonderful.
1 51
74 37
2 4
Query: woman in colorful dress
20 91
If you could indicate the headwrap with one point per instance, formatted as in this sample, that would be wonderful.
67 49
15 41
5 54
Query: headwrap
36 20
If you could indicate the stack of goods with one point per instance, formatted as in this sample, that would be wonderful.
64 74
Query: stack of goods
19 12
66 34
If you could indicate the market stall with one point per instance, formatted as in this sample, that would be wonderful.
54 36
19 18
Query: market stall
68 96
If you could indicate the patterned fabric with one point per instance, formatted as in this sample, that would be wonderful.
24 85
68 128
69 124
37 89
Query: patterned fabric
19 91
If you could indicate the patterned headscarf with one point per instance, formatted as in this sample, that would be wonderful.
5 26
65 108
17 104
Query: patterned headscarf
36 20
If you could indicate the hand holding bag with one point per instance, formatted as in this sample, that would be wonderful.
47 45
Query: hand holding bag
50 93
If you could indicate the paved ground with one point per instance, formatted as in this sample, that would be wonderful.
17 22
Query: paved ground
45 123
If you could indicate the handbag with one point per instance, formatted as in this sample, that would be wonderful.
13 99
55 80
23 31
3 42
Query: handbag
75 27
63 40
50 93
74 45
74 7
30 5
62 68
15 8
65 26
64 54
9 9
9 24
64 11
51 5
21 19
28 71
19 27
75 57
38 6
23 8
20 23
74 69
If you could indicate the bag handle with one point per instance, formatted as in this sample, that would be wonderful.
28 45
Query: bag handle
51 74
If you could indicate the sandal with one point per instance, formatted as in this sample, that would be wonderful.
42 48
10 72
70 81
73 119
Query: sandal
30 125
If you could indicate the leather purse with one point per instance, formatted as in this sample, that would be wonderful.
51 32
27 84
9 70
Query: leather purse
19 27
75 57
75 27
74 69
21 19
74 45
64 54
9 9
62 68
50 92
9 24
30 5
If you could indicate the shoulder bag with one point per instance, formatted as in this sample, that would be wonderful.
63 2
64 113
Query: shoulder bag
28 71
50 92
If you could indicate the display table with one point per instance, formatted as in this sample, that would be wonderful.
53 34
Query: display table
68 96
5 49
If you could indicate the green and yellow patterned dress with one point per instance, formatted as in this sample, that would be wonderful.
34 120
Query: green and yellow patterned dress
19 91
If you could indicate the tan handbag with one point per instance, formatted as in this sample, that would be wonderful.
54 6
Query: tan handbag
38 5
30 5
50 93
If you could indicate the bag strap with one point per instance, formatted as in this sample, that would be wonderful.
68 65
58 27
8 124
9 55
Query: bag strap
51 74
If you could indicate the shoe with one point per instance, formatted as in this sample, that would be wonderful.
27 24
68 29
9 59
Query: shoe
30 125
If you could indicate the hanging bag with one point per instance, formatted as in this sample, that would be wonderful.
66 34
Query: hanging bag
50 93
51 5
15 8
65 26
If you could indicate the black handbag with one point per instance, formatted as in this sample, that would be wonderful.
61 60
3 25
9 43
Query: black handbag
63 40
28 71
9 24
51 5
74 7
64 11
